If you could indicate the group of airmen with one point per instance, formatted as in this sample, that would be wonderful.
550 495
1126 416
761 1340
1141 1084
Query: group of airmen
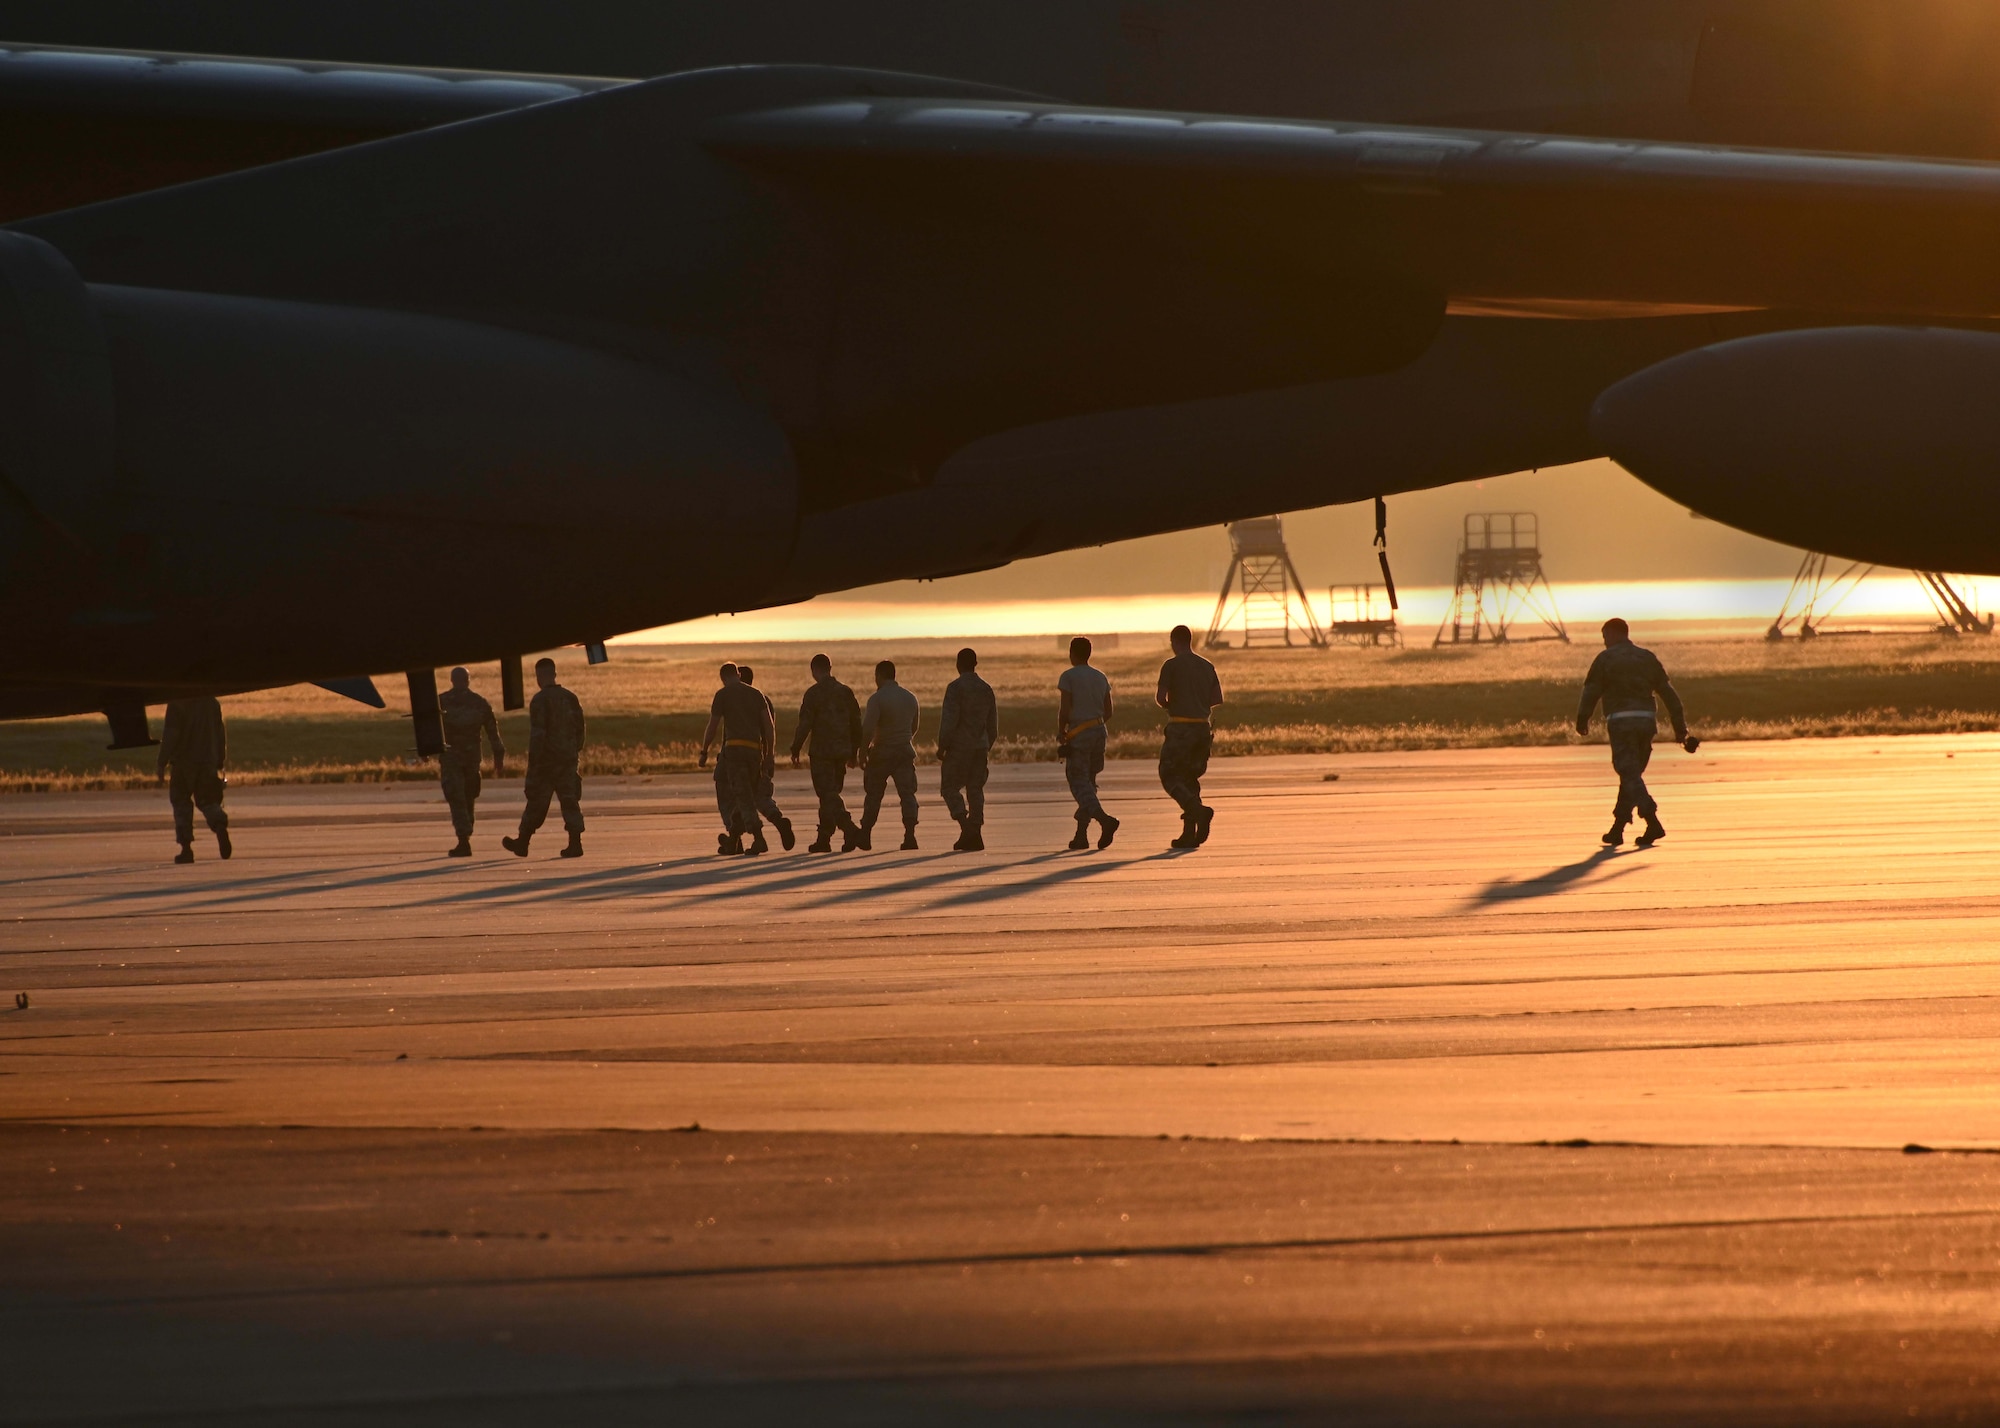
836 733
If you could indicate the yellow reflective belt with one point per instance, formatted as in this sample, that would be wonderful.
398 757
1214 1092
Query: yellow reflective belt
741 744
1184 719
1076 729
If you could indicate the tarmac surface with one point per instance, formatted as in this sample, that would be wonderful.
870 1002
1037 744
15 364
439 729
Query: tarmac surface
1400 1102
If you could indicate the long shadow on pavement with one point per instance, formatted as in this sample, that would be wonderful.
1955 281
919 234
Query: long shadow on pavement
1549 884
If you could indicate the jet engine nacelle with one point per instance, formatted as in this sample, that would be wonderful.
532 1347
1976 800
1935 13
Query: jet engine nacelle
480 490
1874 443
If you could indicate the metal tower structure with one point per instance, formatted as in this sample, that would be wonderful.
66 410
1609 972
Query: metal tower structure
1358 616
1500 581
1817 594
1269 599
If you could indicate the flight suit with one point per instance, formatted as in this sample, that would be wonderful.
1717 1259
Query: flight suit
830 717
555 741
1626 679
193 750
466 716
967 731
889 731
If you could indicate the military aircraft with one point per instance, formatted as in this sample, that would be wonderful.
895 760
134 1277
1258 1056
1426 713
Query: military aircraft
411 348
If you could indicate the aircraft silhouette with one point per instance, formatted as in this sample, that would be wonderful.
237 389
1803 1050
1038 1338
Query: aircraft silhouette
404 351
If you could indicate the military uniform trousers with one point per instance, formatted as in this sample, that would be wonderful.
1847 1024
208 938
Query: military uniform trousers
561 782
737 772
192 786
1631 752
1183 762
1083 761
829 779
900 766
962 782
458 775
767 795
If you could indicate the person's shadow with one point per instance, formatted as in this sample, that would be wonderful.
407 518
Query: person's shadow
1549 884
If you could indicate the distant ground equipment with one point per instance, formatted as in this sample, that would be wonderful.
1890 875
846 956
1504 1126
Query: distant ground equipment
1263 592
1500 584
1817 595
1362 616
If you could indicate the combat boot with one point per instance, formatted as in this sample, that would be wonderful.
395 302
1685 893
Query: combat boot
461 849
517 845
1081 842
909 837
823 843
1107 830
1203 824
861 839
972 842
1655 831
1187 841
1616 837
223 845
785 834
186 854
575 848
757 845
729 845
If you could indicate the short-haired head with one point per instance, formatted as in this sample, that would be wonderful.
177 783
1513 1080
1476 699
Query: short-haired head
968 660
1616 631
1079 650
885 671
821 666
545 671
746 674
1181 637
730 673
461 678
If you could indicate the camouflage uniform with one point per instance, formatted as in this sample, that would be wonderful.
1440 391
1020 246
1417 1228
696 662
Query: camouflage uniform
555 740
967 731
466 716
830 717
739 763
193 750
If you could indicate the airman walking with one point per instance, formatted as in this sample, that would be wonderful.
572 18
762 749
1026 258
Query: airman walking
1626 678
1082 733
740 715
830 719
466 717
767 786
888 739
555 743
1189 691
193 750
967 731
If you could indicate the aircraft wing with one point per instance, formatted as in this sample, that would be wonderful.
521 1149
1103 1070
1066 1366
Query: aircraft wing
81 125
1502 223
737 337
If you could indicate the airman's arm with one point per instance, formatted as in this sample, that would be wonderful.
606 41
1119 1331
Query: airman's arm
707 738
803 729
493 739
1671 697
948 719
992 719
1161 696
1593 690
1062 719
